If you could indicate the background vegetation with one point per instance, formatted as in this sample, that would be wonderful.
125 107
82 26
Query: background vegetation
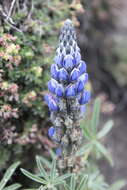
28 39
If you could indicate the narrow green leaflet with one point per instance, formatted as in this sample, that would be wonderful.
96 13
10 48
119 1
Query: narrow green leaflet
8 174
107 127
58 182
73 182
12 187
33 177
86 148
41 169
60 179
96 115
87 132
103 150
53 170
83 182
65 176
50 179
46 162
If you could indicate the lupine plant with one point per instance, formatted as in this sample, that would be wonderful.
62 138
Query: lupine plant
72 167
67 97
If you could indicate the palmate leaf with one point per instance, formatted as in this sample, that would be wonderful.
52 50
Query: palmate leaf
92 136
8 174
49 179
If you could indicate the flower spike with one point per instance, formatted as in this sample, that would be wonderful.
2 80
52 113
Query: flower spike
68 95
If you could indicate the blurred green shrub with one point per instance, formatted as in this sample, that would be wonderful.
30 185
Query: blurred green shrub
27 42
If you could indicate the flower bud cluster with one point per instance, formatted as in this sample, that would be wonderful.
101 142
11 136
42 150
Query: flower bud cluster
67 97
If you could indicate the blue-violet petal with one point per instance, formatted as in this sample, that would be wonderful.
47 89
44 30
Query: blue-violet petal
54 71
68 62
59 91
52 85
63 75
82 67
85 97
74 74
51 131
53 105
70 91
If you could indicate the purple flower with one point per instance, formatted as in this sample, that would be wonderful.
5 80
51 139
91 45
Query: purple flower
77 57
58 152
68 62
84 78
47 98
58 60
74 74
54 71
52 84
63 75
52 102
85 97
51 131
53 105
79 86
82 67
59 91
83 109
70 91
67 84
